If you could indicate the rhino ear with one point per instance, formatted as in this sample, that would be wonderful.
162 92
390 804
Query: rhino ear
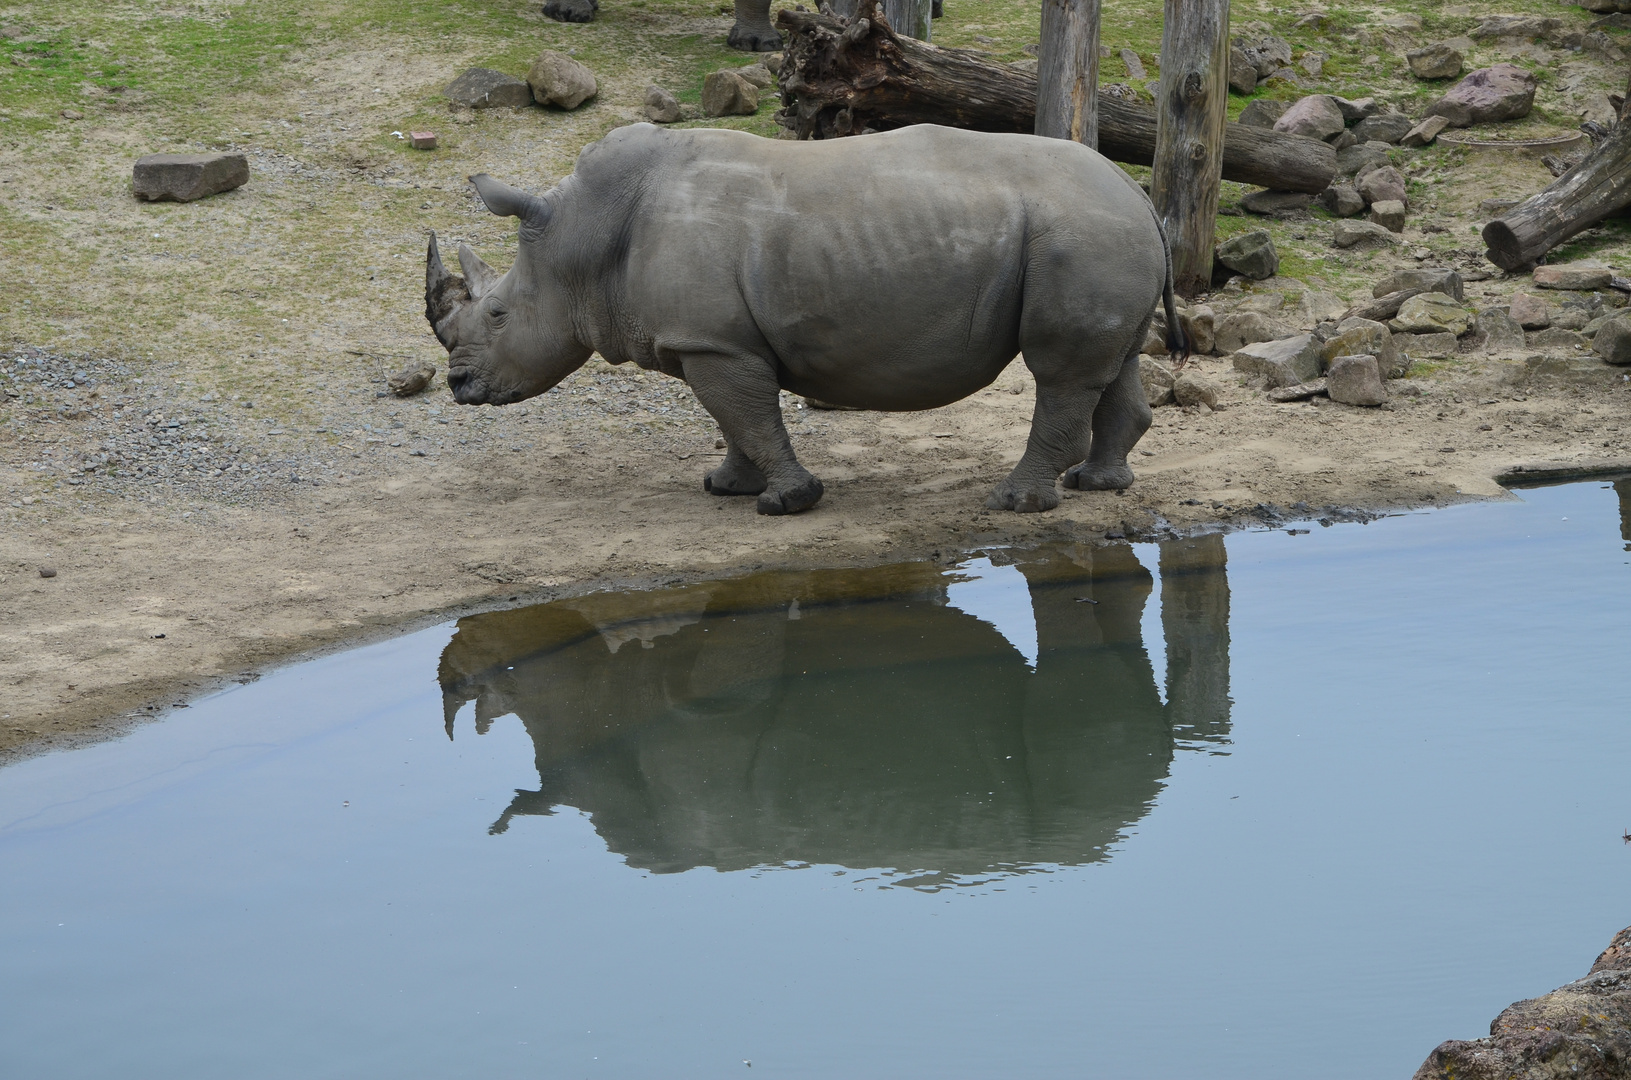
480 276
506 201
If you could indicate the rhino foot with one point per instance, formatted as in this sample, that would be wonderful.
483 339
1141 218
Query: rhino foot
791 501
750 38
735 478
1023 500
1090 477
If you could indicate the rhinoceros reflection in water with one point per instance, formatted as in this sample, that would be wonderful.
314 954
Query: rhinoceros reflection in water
856 717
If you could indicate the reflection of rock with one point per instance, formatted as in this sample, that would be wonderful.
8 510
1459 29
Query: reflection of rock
855 717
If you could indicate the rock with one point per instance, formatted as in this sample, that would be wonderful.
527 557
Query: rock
1387 127
757 74
1578 276
1300 392
557 79
725 93
1313 63
1530 312
1364 337
1251 254
1274 203
411 379
1500 332
1389 213
1591 328
1342 140
1199 326
1502 92
1613 340
772 62
573 11
1264 51
1355 380
1516 27
1354 158
1425 132
72 114
1242 328
185 177
1135 66
1342 200
1286 362
1580 1030
1347 234
661 107
1431 313
1262 113
1437 61
1571 318
1430 346
1554 337
484 88
1242 73
1192 389
1440 279
1315 116
48 571
1317 21
1385 184
1157 380
1403 21
1384 307
422 140
1357 109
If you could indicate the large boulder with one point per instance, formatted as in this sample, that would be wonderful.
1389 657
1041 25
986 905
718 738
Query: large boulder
1242 72
1347 234
726 93
1577 276
1364 337
1264 50
1440 279
1500 332
1200 327
1242 328
1315 116
1250 255
557 79
1388 213
1355 380
1383 185
1262 113
1192 388
1425 132
1502 92
484 88
1287 362
1387 127
1516 27
1530 312
185 177
1613 340
1357 108
1437 61
1431 313
1342 200
1352 159
1157 380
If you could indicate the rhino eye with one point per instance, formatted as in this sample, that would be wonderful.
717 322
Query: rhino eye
497 311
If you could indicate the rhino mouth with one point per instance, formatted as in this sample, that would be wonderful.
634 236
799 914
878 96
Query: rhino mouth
470 388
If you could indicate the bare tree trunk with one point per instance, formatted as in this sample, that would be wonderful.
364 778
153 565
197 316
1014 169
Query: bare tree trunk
1190 113
1067 72
1585 195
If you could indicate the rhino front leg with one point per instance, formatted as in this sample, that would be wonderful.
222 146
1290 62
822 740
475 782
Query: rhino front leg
744 398
1059 438
753 32
1120 420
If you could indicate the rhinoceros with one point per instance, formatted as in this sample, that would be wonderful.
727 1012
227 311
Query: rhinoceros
892 271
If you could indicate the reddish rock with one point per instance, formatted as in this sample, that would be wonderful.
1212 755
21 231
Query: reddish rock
422 140
1502 92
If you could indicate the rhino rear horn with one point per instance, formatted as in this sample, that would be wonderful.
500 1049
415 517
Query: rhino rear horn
478 276
506 201
444 292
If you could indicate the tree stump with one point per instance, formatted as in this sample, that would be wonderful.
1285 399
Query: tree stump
1588 193
1067 72
1191 111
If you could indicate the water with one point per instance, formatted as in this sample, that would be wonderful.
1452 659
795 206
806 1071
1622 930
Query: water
1247 808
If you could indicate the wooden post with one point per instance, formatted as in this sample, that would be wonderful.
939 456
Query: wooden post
1190 113
908 18
1067 72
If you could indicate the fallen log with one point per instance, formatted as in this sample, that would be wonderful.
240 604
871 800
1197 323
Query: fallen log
845 77
1591 191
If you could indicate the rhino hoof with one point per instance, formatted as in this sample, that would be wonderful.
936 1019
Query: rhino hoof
1022 500
1088 477
755 38
806 495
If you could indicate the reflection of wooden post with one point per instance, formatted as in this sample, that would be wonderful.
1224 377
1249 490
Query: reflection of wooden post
1067 72
1622 488
1195 623
1190 113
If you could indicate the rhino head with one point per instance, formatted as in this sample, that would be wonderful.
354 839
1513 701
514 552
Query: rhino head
508 337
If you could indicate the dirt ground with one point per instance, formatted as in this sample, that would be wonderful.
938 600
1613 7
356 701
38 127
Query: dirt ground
194 433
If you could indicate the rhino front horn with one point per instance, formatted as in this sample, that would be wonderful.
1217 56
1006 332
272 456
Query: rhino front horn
444 292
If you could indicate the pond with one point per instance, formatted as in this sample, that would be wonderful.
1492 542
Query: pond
1257 806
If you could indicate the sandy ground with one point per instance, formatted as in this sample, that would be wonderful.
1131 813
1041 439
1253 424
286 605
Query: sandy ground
193 433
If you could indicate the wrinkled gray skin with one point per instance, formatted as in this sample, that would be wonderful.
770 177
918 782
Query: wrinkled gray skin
753 31
895 271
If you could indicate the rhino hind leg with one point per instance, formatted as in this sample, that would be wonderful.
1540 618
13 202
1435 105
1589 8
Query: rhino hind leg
1120 419
1059 437
736 475
753 31
745 399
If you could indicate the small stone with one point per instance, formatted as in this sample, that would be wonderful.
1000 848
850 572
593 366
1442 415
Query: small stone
1262 113
484 88
1501 333
1613 341
1275 203
1342 140
1286 362
1342 200
1313 63
1199 325
1555 337
411 379
1241 328
1355 380
1347 234
557 79
1300 392
661 107
1365 337
1157 380
757 74
422 140
571 11
1356 109
1242 74
1530 312
1265 51
1431 313
1582 277
1430 346
1383 127
1437 61
1389 213
1383 185
1439 279
1403 21
185 177
726 93
1135 66
1315 116
772 62
72 114
1192 389
1425 132
1516 27
1502 92
48 571
1251 255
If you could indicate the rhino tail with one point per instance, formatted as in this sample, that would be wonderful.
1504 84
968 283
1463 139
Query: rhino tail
1177 343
